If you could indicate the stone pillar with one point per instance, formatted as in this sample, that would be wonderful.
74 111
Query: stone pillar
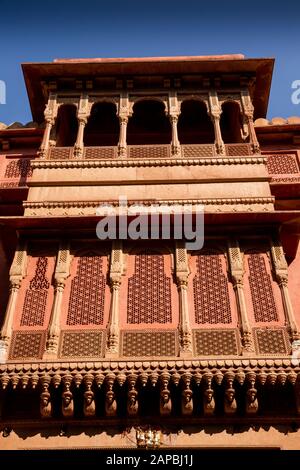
182 273
215 112
248 110
116 269
280 268
50 114
83 113
16 274
124 114
237 276
62 271
174 112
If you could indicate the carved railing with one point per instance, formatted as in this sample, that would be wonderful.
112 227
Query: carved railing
283 167
149 152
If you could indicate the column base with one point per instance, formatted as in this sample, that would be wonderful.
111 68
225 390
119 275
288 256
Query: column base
3 351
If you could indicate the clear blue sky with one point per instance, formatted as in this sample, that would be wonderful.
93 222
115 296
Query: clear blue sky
39 31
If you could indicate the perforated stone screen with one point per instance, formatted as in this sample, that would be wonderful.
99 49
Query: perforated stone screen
216 342
148 343
271 341
27 345
82 344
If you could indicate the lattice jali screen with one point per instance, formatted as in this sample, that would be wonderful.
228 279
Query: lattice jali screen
60 153
149 343
196 151
210 287
27 345
271 341
92 153
216 342
82 343
149 151
20 168
35 302
236 150
149 291
282 164
262 295
86 304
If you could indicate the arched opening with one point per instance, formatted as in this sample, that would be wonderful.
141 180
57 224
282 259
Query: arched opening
66 126
231 123
149 124
102 128
194 124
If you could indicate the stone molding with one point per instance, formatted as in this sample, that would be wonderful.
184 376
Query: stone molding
44 164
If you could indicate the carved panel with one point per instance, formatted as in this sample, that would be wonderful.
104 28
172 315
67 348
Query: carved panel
149 291
92 153
216 342
81 343
149 151
27 345
148 343
60 153
86 304
271 341
20 168
263 301
282 164
210 286
236 150
34 308
196 151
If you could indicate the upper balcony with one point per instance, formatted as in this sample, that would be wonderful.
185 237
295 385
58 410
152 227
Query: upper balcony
146 127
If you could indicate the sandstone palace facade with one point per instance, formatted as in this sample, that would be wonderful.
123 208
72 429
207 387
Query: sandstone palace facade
145 343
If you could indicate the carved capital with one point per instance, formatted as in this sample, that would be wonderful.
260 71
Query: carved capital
282 278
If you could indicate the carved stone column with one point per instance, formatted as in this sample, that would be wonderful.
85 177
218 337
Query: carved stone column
280 268
124 115
116 269
237 276
248 116
215 114
62 272
174 112
182 273
50 114
83 113
16 274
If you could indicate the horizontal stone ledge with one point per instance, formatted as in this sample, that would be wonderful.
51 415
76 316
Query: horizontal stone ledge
249 160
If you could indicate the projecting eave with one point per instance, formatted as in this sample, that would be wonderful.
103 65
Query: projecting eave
85 69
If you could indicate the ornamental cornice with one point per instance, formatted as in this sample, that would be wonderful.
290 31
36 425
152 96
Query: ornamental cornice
277 365
59 164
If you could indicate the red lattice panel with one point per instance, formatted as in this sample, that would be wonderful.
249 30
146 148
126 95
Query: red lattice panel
34 307
82 344
93 153
271 341
20 168
236 150
60 153
148 151
196 151
211 295
149 291
216 342
86 304
27 345
282 164
148 343
263 301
